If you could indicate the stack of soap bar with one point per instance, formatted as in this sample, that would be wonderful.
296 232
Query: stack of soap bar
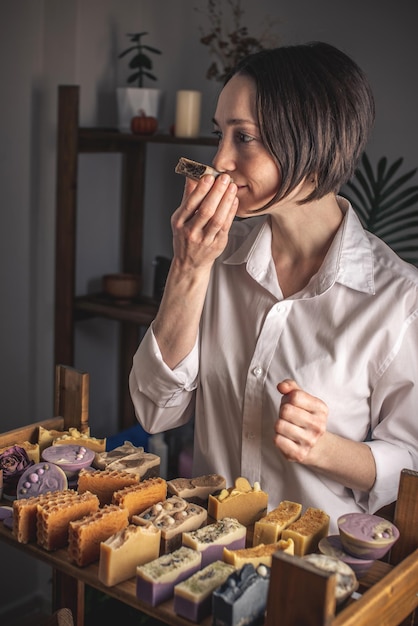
25 513
138 498
173 517
104 483
197 489
212 539
54 515
193 596
269 528
155 581
241 600
258 555
247 504
85 535
121 553
129 458
307 531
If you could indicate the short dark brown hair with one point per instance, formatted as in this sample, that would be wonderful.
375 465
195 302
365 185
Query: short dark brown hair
315 109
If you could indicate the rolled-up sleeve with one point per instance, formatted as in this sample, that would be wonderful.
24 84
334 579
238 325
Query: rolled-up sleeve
394 436
163 398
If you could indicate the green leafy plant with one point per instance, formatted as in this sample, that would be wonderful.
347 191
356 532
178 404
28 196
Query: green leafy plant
385 206
228 45
141 63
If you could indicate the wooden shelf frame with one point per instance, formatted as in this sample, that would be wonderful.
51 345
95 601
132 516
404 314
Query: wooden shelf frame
73 140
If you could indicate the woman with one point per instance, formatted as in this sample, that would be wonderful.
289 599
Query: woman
291 334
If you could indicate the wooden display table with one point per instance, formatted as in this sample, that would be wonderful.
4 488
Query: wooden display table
389 591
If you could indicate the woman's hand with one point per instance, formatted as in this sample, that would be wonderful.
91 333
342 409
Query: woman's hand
201 223
301 424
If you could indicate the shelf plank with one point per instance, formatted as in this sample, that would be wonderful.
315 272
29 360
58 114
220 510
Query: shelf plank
111 140
140 312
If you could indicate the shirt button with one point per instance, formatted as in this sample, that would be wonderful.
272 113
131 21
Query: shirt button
250 435
258 371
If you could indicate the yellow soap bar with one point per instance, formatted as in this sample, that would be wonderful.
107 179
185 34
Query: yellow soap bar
261 554
124 551
308 530
269 528
243 502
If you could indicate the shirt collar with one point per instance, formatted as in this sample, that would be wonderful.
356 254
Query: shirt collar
349 260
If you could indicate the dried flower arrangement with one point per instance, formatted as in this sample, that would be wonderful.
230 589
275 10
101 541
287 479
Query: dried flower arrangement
228 45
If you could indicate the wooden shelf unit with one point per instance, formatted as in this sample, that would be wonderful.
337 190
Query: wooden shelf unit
73 140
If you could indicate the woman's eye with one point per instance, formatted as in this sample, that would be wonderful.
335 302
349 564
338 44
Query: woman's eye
244 138
217 134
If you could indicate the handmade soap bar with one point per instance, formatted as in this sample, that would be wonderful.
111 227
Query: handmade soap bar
54 516
105 482
25 513
69 458
269 528
307 531
156 580
75 437
346 581
129 458
85 535
258 555
241 600
41 478
31 449
173 517
212 539
193 596
197 489
245 503
137 498
121 553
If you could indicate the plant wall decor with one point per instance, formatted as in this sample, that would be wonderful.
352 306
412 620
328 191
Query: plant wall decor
385 205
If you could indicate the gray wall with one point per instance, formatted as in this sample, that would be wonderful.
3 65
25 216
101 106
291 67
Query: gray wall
44 43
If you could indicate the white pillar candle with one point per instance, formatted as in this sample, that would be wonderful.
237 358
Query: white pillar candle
187 123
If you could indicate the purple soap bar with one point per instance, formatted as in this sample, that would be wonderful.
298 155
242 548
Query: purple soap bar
212 539
41 478
70 458
155 581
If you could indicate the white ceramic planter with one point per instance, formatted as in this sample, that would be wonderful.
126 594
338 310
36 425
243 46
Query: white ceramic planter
132 100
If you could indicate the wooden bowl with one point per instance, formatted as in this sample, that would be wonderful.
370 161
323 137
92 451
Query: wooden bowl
122 286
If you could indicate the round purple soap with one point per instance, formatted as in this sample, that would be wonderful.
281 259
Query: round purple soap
41 478
5 512
366 536
332 546
70 458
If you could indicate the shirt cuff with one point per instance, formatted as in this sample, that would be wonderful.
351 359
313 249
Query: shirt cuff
385 488
156 380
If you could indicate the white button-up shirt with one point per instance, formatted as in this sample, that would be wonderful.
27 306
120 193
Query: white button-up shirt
350 337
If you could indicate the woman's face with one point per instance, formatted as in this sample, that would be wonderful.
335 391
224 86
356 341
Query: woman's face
241 152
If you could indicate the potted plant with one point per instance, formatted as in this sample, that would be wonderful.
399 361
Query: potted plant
227 39
138 100
385 206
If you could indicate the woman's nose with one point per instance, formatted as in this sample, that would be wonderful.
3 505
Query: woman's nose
224 160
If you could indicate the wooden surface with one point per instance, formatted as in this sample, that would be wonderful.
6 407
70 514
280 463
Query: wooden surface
125 592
